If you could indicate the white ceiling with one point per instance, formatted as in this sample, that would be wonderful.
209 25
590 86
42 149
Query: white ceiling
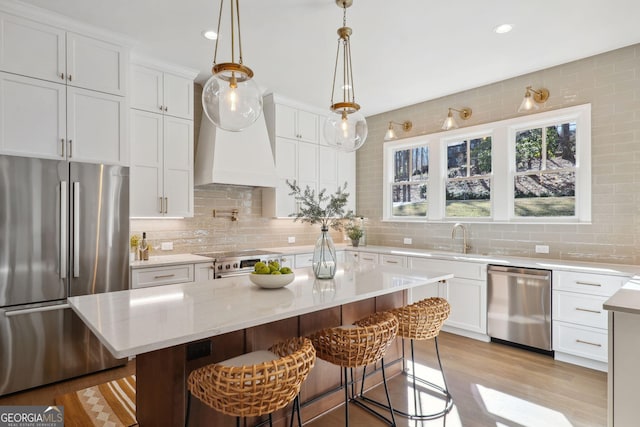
404 51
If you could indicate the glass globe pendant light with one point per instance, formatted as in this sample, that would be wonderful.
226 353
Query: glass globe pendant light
231 99
345 127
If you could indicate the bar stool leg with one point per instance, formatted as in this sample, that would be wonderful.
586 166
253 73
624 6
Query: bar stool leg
386 391
346 398
186 419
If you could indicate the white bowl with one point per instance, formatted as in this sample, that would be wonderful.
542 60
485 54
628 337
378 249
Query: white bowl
272 281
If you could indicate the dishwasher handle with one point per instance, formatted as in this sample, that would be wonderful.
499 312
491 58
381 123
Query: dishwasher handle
519 275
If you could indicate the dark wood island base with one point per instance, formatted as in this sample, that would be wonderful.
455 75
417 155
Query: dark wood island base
162 374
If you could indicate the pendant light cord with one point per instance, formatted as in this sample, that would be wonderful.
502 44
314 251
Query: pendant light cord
215 52
239 32
233 56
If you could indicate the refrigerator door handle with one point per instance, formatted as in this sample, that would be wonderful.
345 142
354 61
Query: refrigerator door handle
36 310
63 229
76 229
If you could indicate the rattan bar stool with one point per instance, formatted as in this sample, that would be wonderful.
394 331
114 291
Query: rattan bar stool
254 384
363 343
421 321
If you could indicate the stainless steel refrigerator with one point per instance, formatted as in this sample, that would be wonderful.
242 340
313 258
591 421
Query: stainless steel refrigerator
64 231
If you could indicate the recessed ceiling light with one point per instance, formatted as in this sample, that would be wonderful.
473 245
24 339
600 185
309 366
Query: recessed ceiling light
210 35
503 29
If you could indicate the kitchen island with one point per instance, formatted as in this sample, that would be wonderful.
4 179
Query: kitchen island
174 329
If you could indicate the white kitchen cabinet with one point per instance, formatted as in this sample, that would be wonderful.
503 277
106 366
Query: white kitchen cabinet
397 260
96 127
161 165
159 91
466 293
24 102
304 260
302 159
72 123
203 271
165 275
579 321
364 257
294 123
38 50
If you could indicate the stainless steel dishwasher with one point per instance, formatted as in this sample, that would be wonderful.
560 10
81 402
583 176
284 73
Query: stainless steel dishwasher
519 306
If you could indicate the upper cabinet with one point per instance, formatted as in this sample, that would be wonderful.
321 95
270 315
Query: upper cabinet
299 155
45 52
159 91
62 94
295 123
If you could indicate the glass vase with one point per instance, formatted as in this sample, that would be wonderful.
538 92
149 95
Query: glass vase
324 256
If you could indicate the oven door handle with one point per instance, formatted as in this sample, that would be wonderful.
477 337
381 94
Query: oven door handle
225 275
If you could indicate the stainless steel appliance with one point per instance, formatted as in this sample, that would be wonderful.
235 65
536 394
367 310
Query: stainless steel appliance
236 263
64 231
519 306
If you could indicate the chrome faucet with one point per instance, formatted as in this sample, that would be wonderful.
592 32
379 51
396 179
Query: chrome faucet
465 246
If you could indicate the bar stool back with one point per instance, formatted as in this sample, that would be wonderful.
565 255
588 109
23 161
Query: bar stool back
355 346
256 383
422 320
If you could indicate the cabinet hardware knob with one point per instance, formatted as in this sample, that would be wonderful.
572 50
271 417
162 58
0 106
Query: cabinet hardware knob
161 205
62 76
163 276
70 148
61 147
166 205
161 108
70 77
166 108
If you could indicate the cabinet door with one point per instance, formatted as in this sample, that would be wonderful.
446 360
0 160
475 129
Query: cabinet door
307 126
286 167
96 64
308 165
146 89
146 164
328 169
178 96
32 49
95 127
32 117
468 300
286 122
178 167
346 165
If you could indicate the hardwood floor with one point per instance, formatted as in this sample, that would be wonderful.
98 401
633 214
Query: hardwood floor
492 385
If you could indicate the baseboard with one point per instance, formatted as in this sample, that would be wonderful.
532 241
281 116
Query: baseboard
465 333
582 361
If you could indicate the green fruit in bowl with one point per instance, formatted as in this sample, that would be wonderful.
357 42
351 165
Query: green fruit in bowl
274 265
262 269
285 270
258 265
276 272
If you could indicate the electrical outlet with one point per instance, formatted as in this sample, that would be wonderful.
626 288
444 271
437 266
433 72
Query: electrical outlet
291 239
408 241
166 246
542 249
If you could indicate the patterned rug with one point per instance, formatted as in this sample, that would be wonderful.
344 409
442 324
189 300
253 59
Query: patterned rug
111 404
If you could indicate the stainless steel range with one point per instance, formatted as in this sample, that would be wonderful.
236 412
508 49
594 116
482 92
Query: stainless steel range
236 263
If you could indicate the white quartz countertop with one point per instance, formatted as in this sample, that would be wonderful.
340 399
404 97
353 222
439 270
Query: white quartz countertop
142 320
627 299
162 260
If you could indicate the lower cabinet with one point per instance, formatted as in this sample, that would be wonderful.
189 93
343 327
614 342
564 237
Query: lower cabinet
167 275
466 293
580 333
204 271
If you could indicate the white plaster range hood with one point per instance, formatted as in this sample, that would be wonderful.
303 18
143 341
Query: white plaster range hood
238 158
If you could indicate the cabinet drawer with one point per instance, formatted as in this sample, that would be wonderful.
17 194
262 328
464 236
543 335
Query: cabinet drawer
366 257
580 341
466 270
595 284
579 309
141 278
398 260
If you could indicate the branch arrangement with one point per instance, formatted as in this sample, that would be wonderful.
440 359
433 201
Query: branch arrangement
327 210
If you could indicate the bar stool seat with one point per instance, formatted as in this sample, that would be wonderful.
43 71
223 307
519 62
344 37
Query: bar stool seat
422 320
363 343
254 384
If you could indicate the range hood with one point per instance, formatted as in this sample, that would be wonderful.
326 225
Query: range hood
238 158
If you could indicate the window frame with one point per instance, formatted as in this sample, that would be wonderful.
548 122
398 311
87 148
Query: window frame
503 168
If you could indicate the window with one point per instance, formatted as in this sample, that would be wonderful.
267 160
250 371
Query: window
409 187
534 168
468 185
545 178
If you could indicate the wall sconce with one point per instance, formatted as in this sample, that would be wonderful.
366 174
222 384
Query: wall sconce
391 134
450 123
530 102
